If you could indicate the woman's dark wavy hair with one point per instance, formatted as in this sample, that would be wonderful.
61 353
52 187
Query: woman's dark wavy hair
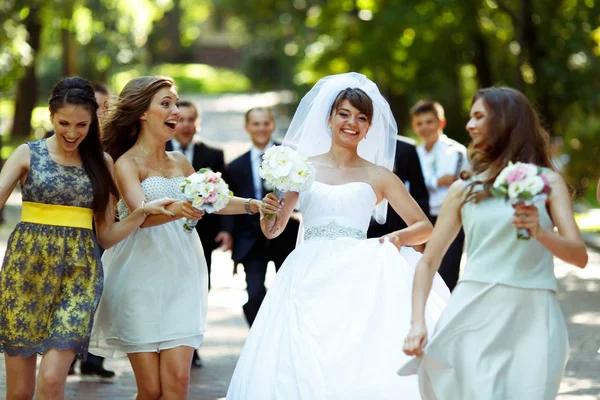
121 126
514 133
358 98
77 91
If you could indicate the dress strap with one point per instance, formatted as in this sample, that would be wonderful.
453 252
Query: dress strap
54 214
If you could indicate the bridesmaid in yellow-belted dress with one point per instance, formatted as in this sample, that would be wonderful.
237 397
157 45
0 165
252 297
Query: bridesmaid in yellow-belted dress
51 277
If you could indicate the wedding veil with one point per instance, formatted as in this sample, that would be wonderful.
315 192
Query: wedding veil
308 132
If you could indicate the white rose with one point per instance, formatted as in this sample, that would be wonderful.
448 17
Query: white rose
190 190
533 184
514 190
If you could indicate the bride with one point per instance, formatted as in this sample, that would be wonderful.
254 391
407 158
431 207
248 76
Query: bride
330 324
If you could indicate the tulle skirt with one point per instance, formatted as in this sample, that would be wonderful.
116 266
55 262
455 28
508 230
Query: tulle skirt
332 325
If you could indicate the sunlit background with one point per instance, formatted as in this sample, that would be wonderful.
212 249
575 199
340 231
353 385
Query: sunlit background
230 55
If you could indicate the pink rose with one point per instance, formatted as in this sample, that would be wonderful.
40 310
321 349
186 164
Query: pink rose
518 173
212 198
211 177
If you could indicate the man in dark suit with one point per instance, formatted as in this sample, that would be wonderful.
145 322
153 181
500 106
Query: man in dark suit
408 168
250 247
201 156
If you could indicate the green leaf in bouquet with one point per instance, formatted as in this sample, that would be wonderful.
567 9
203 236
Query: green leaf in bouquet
525 195
497 192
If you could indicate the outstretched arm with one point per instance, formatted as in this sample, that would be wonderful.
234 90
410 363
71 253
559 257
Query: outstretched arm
447 227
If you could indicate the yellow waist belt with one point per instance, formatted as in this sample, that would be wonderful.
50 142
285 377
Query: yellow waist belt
52 214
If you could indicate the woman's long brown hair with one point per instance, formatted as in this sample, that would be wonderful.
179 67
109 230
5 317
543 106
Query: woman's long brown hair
122 125
514 133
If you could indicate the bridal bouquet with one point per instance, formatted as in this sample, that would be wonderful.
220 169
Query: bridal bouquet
207 191
285 170
521 183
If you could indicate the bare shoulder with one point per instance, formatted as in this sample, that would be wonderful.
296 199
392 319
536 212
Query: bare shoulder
177 156
21 156
126 162
554 177
381 173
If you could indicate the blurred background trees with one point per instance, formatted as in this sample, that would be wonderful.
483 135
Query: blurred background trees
440 49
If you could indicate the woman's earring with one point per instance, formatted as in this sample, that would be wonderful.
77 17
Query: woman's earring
329 128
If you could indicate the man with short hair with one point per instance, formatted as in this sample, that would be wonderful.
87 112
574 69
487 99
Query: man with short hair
442 160
250 247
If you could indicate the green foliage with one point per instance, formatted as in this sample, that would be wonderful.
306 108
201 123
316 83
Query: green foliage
582 144
189 78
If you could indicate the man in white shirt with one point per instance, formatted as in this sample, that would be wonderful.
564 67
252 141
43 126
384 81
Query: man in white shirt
250 247
442 159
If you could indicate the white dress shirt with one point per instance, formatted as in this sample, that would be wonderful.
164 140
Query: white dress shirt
255 159
446 157
189 151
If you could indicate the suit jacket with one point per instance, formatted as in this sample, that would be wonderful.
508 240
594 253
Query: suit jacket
408 168
245 229
205 156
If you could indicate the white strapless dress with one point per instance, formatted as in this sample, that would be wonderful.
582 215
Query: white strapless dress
155 286
334 320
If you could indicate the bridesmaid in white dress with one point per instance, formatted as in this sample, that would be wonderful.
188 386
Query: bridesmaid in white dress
154 304
502 335
328 328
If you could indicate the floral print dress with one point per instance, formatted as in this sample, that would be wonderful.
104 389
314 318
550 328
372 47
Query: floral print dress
51 278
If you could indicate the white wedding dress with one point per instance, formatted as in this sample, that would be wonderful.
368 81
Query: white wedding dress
155 286
333 322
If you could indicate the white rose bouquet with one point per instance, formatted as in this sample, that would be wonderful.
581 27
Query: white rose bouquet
207 191
285 170
521 183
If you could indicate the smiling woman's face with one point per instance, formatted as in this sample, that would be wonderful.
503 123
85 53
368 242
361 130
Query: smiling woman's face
71 125
348 124
477 125
163 113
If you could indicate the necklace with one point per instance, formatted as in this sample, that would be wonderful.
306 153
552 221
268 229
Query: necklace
159 168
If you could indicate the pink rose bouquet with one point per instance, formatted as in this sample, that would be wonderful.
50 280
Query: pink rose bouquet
207 191
521 183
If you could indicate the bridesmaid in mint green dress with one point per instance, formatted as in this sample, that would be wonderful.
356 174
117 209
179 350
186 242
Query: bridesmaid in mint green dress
502 335
51 278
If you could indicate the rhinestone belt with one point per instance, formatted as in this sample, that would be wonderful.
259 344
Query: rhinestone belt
334 231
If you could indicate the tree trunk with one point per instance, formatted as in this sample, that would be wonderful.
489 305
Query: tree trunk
69 47
535 56
27 88
482 61
67 37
